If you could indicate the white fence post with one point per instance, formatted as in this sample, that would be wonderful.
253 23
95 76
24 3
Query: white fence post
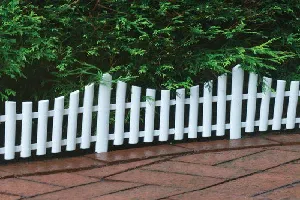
87 116
292 107
179 114
57 124
104 107
120 113
149 115
207 109
236 102
26 129
103 114
265 103
43 107
10 130
135 114
164 115
278 108
72 120
221 105
193 114
251 102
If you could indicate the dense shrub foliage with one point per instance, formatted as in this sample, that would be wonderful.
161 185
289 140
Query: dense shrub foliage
48 48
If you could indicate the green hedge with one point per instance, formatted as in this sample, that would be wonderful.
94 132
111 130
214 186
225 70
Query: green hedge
49 48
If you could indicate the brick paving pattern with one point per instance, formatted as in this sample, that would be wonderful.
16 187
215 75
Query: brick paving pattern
258 168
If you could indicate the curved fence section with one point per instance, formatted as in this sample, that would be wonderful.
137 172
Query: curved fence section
193 113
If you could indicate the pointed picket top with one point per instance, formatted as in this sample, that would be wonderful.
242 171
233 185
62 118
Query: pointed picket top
237 67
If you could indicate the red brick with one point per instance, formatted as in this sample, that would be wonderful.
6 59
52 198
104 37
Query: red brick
25 188
5 174
291 192
198 169
9 197
295 148
209 196
251 142
228 144
166 179
289 169
87 191
206 146
285 138
62 179
216 157
145 193
138 153
296 162
255 184
168 198
52 165
263 160
114 169
244 187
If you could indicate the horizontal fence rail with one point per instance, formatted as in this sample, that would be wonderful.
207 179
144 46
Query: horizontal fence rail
192 114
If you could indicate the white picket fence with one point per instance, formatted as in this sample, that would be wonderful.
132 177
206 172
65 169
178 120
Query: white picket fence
104 107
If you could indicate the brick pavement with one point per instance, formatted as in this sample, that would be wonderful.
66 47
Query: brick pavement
257 168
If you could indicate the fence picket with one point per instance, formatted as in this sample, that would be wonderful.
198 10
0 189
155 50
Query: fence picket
104 107
149 115
10 130
26 129
135 115
103 114
179 114
292 106
221 105
207 109
193 113
72 121
43 107
57 124
278 108
87 116
236 102
251 102
120 113
265 103
164 115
